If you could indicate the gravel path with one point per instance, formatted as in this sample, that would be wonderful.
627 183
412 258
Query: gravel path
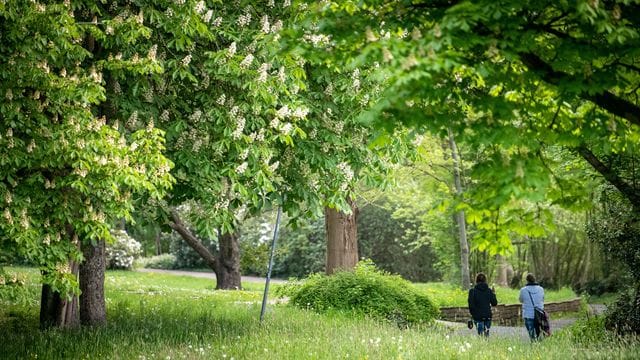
208 275
520 331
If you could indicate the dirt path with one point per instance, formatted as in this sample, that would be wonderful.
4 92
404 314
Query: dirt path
208 275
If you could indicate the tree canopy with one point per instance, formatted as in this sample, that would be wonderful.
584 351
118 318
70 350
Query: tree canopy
516 81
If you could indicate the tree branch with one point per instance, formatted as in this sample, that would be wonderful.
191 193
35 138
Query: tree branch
606 100
194 242
632 194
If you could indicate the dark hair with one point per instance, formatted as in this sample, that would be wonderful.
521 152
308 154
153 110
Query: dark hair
481 278
531 278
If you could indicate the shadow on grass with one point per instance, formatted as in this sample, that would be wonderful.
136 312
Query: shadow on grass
131 328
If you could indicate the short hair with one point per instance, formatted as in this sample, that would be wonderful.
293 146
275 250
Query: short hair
481 278
531 278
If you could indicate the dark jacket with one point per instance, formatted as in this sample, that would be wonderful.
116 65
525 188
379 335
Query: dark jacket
481 298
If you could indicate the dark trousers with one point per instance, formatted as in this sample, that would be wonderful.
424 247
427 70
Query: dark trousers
483 326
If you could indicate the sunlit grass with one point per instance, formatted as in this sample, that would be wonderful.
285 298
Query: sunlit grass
153 316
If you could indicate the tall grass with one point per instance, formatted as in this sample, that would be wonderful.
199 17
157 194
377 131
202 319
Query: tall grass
167 317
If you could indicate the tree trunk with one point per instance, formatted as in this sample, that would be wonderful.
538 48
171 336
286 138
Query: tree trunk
226 265
93 310
460 218
502 278
228 272
158 244
56 311
342 239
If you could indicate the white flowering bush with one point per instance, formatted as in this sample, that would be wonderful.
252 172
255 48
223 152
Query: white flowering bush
122 251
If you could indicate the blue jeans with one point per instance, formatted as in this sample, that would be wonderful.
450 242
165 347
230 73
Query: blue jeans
532 328
483 326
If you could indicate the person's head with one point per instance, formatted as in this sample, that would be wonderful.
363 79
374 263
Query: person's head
481 278
531 278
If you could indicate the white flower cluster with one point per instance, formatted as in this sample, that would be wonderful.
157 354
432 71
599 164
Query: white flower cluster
317 39
246 62
346 170
231 50
186 60
164 117
221 100
121 253
264 24
207 17
217 22
240 123
277 26
196 116
242 168
263 72
244 19
151 55
200 7
355 76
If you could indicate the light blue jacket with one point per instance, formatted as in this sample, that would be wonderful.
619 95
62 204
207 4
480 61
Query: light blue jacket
537 294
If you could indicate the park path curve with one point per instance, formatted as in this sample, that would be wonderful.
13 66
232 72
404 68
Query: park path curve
207 275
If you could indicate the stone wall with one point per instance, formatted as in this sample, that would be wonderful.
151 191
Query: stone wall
508 314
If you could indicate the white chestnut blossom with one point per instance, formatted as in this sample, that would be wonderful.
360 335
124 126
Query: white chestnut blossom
200 7
152 52
277 26
242 168
221 100
246 62
231 50
186 61
207 17
264 23
164 116
262 71
240 123
244 19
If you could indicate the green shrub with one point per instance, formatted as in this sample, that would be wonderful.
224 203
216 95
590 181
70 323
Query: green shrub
367 291
624 316
589 330
164 261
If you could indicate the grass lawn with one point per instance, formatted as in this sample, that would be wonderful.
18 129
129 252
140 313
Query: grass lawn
154 316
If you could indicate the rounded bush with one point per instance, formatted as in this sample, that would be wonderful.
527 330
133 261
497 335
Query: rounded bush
122 251
367 291
164 261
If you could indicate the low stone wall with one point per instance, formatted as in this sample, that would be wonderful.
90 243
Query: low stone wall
510 314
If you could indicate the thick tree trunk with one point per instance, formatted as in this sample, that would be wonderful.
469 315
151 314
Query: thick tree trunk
501 276
342 239
460 218
56 311
228 272
93 310
226 265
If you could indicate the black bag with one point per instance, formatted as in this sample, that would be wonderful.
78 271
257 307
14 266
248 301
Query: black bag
541 318
470 324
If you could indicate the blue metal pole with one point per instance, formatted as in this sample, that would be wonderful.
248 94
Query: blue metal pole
273 246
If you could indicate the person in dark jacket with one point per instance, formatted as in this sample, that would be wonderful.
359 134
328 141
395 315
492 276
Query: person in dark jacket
481 299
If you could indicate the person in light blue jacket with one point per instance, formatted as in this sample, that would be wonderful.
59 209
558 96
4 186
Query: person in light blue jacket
531 295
